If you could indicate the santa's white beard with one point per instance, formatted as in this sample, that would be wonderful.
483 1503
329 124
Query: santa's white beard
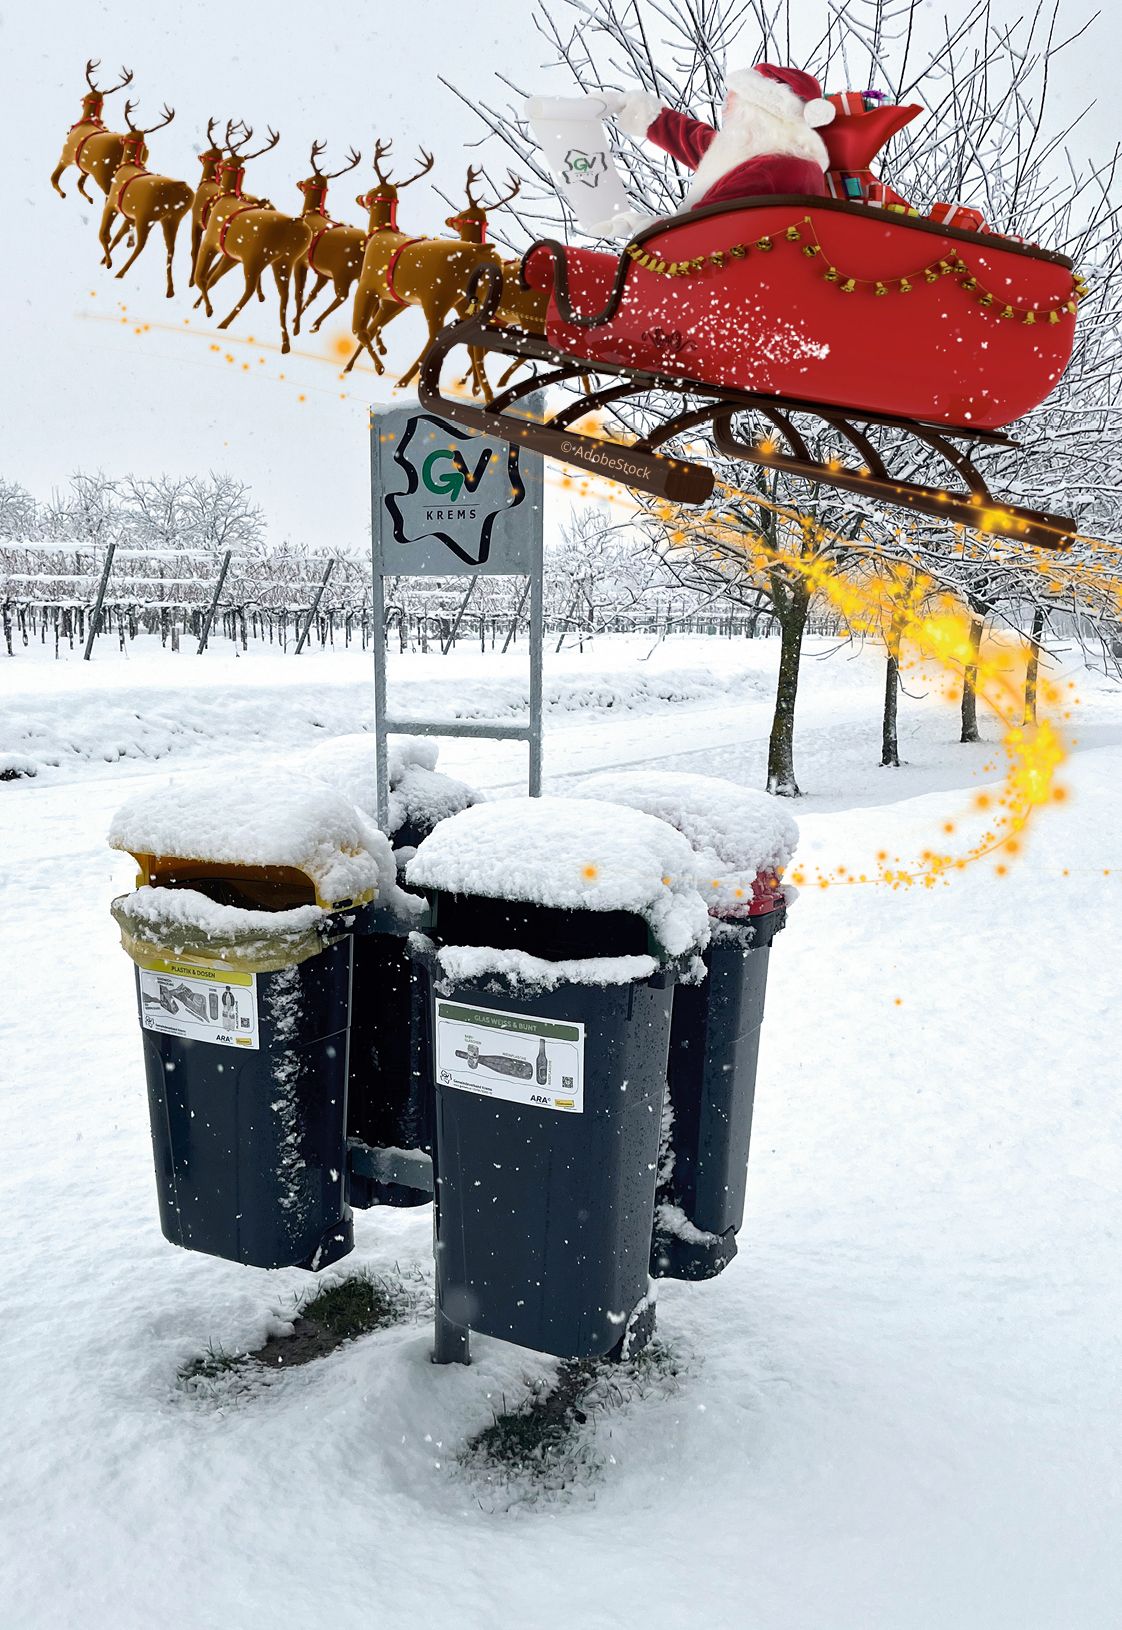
749 132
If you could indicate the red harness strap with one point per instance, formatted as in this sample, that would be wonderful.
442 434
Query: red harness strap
121 195
209 203
246 209
330 227
392 268
78 150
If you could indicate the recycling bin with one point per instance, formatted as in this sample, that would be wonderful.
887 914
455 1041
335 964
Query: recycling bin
741 840
711 1080
243 975
390 1097
390 1118
546 1027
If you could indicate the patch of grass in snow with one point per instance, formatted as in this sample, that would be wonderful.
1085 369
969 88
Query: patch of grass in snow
330 1315
215 1365
361 1302
214 1362
547 1443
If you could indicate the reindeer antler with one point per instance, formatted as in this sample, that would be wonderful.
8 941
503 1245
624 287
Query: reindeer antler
169 115
274 138
426 166
317 148
516 188
381 151
92 65
473 176
353 157
234 147
210 124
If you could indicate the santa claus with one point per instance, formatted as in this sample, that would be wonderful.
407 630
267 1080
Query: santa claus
768 141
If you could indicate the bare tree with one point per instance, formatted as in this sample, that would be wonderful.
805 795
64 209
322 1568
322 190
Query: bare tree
19 512
988 138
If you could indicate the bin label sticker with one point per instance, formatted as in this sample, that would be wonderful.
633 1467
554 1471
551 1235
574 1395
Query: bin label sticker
199 1001
515 1056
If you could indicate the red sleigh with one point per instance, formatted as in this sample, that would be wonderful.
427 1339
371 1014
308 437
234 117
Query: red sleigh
783 306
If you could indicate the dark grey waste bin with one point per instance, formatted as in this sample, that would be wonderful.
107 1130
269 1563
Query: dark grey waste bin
711 1076
390 1093
246 1037
558 929
741 840
390 1090
548 1109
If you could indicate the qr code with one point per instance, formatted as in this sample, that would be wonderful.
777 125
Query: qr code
566 1083
246 1024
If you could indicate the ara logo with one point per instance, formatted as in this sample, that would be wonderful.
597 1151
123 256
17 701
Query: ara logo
587 168
457 487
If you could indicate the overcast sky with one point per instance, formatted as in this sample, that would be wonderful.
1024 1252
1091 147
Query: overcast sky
82 389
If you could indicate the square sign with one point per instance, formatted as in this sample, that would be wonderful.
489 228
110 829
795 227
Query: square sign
446 502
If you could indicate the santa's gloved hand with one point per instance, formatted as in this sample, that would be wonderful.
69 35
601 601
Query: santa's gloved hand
613 101
635 112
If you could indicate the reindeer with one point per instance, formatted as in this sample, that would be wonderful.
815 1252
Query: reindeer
210 158
95 150
334 254
518 307
397 272
254 233
150 198
382 203
432 273
225 166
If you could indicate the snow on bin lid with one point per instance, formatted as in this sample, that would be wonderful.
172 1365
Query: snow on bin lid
735 832
266 819
570 853
419 793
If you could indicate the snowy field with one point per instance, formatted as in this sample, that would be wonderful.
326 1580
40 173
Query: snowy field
899 1409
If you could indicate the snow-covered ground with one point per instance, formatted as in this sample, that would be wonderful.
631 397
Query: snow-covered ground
899 1409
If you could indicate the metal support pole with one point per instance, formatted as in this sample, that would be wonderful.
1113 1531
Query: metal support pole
537 634
204 634
314 606
451 1342
95 617
381 746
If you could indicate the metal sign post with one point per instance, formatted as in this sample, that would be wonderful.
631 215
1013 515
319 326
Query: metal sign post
445 503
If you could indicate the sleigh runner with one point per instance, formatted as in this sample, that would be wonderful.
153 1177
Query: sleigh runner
784 306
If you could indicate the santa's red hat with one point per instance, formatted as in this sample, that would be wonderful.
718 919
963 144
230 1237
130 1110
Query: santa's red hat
788 93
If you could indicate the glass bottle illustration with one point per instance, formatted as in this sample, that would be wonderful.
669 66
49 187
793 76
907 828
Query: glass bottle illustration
499 1063
542 1065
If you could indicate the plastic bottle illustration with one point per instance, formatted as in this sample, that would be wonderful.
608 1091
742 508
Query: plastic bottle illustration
542 1066
229 1007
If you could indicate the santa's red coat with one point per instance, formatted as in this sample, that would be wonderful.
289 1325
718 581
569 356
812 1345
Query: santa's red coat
687 140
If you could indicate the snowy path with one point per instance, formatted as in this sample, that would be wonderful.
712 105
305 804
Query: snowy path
899 1409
